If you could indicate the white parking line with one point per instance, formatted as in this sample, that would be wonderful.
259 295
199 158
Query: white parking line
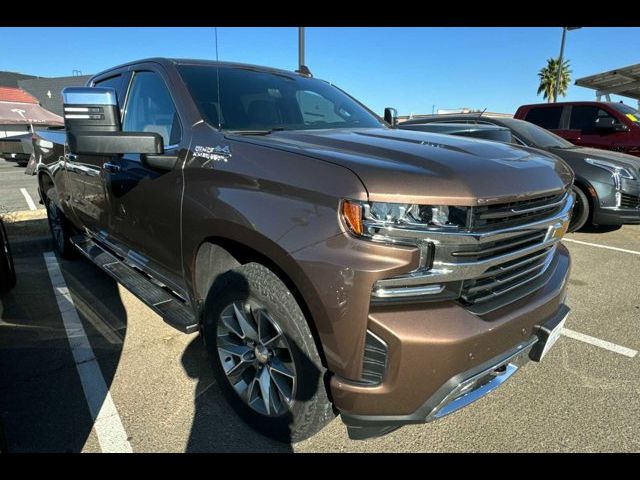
27 197
627 352
601 246
107 423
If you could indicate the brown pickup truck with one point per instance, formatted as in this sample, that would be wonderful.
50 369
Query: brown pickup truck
332 264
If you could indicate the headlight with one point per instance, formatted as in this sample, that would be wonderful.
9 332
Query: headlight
615 169
382 221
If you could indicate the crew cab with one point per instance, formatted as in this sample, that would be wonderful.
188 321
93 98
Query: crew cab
605 125
331 263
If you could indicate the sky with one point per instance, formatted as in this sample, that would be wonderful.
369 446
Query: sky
415 70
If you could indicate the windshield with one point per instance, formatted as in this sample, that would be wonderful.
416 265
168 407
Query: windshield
258 100
536 136
629 112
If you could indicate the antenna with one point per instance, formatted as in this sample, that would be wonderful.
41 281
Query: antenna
476 119
219 106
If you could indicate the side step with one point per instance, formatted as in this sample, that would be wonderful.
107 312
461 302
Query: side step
172 310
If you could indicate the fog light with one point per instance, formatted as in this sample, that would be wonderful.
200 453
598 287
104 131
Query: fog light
618 199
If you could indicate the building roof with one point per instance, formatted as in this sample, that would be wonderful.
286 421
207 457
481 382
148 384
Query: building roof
49 90
9 94
10 79
622 81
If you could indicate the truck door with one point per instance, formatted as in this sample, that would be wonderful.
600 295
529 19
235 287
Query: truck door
582 126
85 176
144 202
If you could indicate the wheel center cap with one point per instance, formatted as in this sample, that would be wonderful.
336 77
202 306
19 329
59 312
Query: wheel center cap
262 354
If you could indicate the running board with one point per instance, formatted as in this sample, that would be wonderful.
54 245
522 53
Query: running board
171 309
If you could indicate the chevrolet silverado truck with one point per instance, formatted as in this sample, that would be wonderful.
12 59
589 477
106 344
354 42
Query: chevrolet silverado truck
332 264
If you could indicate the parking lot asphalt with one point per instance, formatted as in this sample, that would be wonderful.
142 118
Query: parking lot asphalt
16 188
581 397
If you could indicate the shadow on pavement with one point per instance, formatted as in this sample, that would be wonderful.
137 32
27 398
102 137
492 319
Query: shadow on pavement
42 404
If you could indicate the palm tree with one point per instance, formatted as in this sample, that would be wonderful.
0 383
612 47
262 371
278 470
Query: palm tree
548 77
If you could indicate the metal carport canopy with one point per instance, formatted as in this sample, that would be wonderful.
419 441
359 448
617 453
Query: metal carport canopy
621 81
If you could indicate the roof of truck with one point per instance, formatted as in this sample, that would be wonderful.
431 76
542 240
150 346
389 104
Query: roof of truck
190 61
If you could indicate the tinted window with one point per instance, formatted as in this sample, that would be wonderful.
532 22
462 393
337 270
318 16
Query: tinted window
116 84
583 118
546 117
151 109
111 82
534 135
629 112
253 99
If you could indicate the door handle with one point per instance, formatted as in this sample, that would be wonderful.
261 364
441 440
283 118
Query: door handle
111 167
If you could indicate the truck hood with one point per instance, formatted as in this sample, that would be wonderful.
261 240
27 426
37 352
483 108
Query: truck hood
418 167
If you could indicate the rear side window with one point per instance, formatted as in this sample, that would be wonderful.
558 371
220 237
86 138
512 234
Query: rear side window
151 109
545 117
583 118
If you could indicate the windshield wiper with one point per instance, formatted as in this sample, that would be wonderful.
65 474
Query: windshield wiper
264 131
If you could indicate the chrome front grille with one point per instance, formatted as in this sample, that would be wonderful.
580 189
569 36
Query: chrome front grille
516 213
504 278
487 268
501 247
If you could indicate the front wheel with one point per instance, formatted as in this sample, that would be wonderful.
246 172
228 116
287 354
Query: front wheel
580 213
60 228
264 355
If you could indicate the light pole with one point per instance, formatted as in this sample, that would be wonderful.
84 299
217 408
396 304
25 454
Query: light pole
300 47
564 34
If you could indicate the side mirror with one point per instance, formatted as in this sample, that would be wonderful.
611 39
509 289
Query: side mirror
391 116
94 109
115 143
609 124
92 120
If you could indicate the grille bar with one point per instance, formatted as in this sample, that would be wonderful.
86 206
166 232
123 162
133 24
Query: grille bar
629 201
500 283
515 213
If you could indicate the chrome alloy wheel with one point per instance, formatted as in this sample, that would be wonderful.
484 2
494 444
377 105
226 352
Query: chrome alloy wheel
256 358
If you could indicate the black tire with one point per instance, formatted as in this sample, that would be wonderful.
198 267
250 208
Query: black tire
581 210
7 270
60 228
255 284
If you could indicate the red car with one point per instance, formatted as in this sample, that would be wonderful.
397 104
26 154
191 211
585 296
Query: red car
605 125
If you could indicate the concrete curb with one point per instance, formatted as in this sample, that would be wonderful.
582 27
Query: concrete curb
24 215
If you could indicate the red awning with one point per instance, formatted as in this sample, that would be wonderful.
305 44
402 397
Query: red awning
16 113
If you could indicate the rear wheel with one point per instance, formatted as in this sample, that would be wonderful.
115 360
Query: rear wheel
264 355
60 227
580 213
7 270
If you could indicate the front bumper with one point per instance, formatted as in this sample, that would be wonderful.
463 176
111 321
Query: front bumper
432 351
616 216
607 212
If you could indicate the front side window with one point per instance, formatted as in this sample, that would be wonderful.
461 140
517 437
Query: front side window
251 99
583 118
151 109
545 117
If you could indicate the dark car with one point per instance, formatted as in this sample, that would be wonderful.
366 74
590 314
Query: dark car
7 271
331 263
606 183
606 125
479 131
